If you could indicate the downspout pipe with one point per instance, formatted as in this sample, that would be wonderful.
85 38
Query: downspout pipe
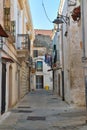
83 27
84 53
63 96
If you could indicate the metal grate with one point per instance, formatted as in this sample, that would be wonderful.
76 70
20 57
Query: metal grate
24 107
54 98
35 118
21 111
25 111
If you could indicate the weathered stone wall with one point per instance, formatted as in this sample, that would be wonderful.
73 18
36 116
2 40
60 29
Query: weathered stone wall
76 69
23 80
74 90
43 41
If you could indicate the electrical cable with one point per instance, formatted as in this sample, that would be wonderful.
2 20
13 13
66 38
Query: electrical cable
46 12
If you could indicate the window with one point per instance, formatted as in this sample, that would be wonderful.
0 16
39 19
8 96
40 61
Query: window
7 19
39 66
35 53
54 47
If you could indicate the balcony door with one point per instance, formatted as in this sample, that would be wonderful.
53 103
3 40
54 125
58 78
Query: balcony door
3 98
39 82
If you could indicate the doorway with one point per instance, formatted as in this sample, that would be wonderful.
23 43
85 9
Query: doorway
10 86
59 84
3 91
39 82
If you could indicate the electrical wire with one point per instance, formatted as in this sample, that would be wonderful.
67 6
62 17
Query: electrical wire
46 12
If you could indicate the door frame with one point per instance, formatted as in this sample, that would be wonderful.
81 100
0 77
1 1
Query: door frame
3 89
42 81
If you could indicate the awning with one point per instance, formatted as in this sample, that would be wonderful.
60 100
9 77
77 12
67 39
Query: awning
2 32
7 59
76 13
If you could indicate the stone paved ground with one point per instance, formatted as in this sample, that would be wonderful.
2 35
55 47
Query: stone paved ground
42 110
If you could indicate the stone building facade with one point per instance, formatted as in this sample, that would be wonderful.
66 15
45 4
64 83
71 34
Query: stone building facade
16 20
72 88
42 48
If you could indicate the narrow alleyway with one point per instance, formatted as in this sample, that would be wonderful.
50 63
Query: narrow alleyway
42 110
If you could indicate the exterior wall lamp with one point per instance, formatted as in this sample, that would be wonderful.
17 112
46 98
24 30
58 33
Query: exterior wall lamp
61 19
72 2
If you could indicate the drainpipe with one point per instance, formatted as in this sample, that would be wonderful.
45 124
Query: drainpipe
63 97
29 80
53 79
84 55
83 27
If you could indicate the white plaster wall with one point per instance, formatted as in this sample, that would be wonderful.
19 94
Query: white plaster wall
32 81
66 57
47 75
14 85
18 17
58 42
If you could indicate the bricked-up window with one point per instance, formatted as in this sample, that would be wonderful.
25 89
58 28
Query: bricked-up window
7 19
39 66
35 53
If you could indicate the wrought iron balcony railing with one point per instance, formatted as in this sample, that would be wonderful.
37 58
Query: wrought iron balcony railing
23 41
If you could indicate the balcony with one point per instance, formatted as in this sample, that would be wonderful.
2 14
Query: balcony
9 26
23 45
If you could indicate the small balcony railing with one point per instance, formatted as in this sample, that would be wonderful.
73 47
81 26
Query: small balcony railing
23 42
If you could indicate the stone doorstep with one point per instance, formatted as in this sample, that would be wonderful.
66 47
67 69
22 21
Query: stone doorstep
4 116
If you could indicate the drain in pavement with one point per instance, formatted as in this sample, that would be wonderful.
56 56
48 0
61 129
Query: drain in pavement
24 107
35 118
22 111
54 98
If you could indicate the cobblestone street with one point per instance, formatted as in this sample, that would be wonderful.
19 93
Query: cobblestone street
42 110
